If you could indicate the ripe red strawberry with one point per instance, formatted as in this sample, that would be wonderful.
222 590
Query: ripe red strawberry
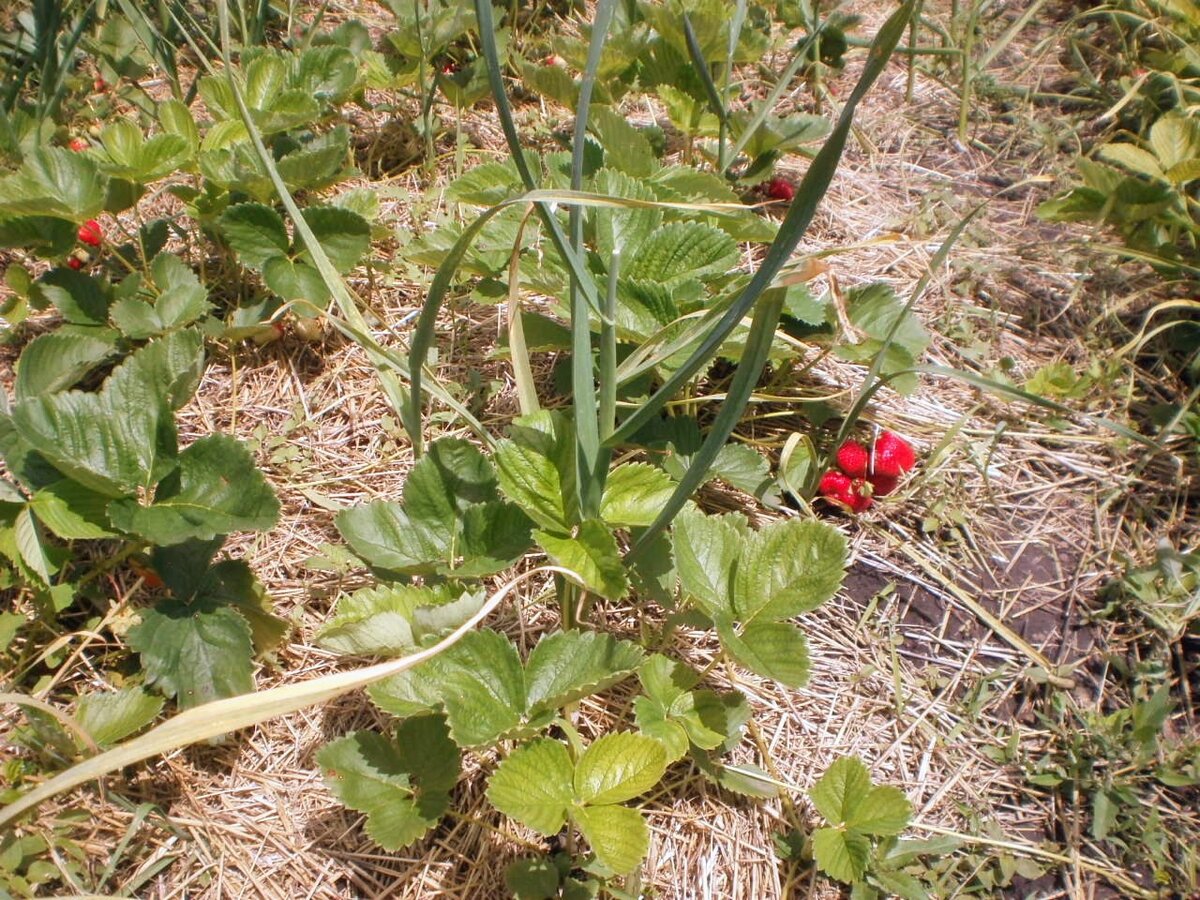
882 485
90 233
893 456
74 262
554 60
78 144
848 492
780 189
835 486
853 459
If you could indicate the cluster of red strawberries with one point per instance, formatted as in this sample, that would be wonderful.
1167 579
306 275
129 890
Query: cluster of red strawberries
863 474
89 232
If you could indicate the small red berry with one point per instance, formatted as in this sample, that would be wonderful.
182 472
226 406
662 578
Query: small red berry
853 459
893 456
450 68
100 85
90 233
74 262
882 485
78 144
554 60
780 189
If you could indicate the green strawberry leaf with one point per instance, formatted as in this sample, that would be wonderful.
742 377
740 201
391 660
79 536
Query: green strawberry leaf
72 511
680 251
788 568
776 650
294 280
592 554
534 786
194 652
345 236
378 621
707 550
216 489
535 468
43 235
634 494
842 790
255 232
617 834
487 694
402 784
569 665
885 812
80 298
122 438
382 534
842 855
617 767
109 716
58 360
53 181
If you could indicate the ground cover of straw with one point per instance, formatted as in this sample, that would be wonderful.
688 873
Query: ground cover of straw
1023 515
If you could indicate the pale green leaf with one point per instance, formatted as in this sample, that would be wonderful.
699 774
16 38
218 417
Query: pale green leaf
617 835
592 554
384 536
294 280
109 716
216 489
775 650
1174 139
378 620
535 470
1131 157
884 812
402 784
72 511
534 786
652 721
625 148
706 551
682 250
617 767
479 681
568 665
841 855
843 788
175 118
53 181
788 568
31 545
195 653
634 494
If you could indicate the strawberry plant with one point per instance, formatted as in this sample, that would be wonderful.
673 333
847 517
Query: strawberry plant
106 466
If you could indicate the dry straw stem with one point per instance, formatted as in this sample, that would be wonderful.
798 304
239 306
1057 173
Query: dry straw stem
225 716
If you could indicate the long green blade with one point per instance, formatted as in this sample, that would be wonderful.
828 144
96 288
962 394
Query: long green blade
754 357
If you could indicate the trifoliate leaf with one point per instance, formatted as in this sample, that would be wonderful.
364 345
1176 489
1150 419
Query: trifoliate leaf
617 767
592 554
109 716
534 786
617 834
402 784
